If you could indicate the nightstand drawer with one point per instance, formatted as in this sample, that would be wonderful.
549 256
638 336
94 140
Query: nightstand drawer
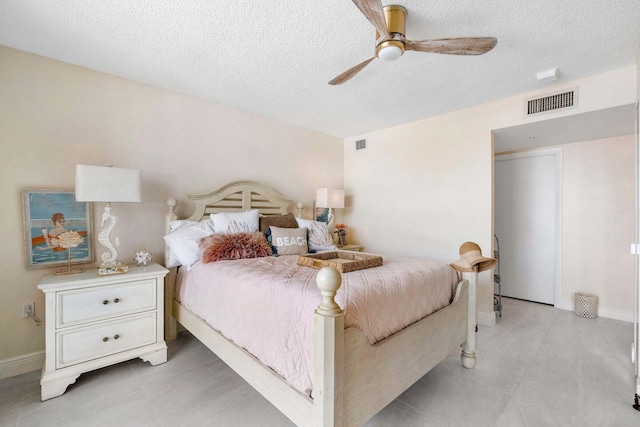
81 344
104 302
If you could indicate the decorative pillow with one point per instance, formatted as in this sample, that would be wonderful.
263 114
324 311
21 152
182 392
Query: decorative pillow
319 237
235 222
219 247
183 242
282 221
289 241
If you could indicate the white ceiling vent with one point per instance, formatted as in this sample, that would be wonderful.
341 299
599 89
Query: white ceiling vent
361 144
562 100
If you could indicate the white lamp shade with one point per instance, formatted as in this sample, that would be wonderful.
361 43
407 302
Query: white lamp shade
329 198
107 184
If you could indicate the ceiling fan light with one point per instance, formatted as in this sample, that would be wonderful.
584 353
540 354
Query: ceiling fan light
390 53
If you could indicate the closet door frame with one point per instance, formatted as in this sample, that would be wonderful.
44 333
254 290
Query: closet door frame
557 155
635 251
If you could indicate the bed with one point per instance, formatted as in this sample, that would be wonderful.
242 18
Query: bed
352 378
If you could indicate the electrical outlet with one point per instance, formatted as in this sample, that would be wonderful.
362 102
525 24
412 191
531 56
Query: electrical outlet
28 309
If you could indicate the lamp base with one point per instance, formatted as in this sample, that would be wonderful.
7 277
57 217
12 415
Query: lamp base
330 219
106 270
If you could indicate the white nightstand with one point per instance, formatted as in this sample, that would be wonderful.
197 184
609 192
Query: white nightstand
355 248
93 322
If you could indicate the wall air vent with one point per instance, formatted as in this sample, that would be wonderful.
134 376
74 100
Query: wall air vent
562 100
361 144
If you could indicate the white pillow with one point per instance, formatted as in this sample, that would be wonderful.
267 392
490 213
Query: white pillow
236 222
184 242
179 223
319 236
171 260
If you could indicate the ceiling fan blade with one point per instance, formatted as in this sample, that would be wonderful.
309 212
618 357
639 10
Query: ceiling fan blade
351 72
457 46
372 10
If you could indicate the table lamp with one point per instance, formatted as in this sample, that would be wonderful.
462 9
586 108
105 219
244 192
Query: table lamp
330 198
108 184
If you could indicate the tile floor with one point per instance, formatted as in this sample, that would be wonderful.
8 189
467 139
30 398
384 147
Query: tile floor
539 366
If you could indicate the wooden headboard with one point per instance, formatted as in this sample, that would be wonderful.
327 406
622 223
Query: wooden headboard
236 196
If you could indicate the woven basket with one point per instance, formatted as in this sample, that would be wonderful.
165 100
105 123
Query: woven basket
343 261
586 305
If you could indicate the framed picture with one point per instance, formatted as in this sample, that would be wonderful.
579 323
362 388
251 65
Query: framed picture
57 229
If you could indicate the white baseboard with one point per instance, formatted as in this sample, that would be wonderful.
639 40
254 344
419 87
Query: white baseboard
21 364
603 311
487 319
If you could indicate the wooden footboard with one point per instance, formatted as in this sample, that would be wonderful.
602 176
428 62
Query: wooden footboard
356 380
396 363
353 380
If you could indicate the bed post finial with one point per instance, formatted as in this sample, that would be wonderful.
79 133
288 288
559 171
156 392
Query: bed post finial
171 215
329 280
171 204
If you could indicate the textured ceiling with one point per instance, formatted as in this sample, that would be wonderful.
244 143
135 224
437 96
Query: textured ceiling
275 58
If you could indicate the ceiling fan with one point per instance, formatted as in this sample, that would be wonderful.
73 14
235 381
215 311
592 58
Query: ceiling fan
391 43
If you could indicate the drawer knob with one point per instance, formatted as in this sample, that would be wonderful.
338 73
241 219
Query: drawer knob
105 302
117 300
115 337
105 339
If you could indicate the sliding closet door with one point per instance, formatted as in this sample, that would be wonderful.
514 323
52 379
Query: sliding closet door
526 217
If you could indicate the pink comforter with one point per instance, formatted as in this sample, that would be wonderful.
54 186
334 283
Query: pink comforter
266 305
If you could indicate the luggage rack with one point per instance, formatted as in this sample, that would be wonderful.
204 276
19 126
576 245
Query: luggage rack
497 287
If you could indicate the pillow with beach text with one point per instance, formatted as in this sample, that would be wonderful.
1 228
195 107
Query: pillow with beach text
289 241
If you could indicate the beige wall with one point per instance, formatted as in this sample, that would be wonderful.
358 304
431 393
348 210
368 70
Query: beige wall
54 116
426 187
598 199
